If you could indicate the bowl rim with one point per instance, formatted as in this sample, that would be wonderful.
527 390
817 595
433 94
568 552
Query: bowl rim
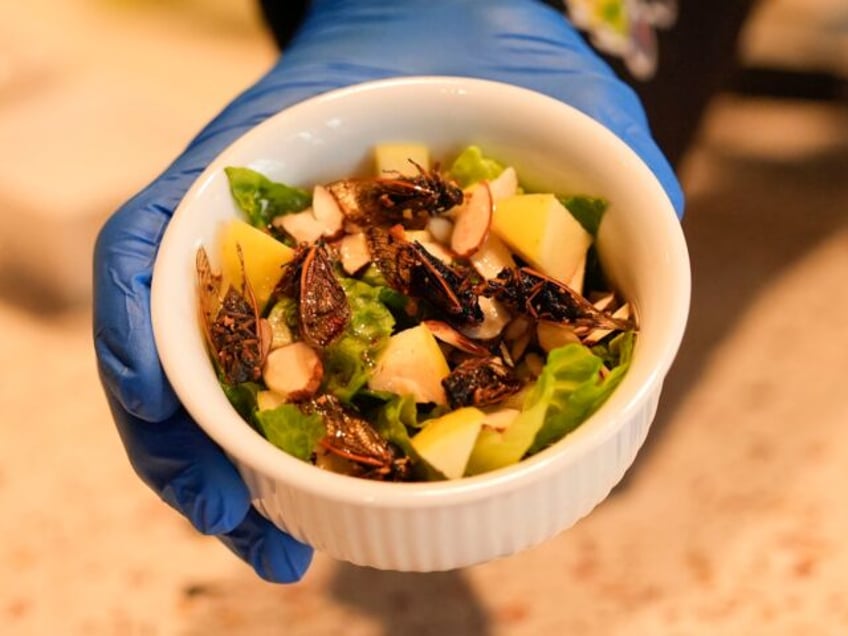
243 444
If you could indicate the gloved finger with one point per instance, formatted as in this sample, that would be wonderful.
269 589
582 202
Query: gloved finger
273 554
189 471
123 335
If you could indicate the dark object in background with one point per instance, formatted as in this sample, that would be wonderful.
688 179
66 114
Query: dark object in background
697 59
283 18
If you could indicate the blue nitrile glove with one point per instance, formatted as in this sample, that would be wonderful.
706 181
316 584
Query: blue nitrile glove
341 42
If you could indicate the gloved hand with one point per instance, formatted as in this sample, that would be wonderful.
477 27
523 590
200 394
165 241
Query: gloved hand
341 42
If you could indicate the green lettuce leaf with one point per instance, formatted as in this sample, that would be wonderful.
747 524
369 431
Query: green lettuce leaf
577 392
241 396
262 199
471 166
393 421
283 321
289 428
349 360
587 210
394 418
566 393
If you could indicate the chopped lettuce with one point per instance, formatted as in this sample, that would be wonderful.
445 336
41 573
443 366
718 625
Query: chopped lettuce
289 428
349 360
241 396
471 166
262 199
395 418
396 301
393 421
587 210
576 392
565 394
283 321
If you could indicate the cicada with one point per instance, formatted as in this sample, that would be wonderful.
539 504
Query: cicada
410 201
543 298
353 438
323 309
237 337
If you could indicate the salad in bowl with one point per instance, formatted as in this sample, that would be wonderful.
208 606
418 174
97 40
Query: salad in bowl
431 320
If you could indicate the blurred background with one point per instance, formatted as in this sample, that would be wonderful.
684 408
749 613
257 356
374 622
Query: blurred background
733 520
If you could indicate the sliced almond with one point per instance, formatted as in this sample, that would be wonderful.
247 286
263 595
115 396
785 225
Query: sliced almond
492 257
293 371
519 346
440 229
302 226
447 334
473 220
327 211
596 335
517 327
439 251
604 301
354 253
576 280
495 317
324 219
534 363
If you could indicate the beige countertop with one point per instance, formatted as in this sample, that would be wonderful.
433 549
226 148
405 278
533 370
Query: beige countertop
733 521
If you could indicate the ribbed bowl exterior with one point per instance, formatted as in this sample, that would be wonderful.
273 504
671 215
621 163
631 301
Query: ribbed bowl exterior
445 537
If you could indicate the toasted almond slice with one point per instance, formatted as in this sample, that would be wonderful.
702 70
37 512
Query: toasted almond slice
439 251
492 257
266 337
519 346
429 243
445 333
504 185
495 318
604 301
596 335
294 371
473 221
440 229
354 252
517 327
576 280
302 226
323 220
327 211
534 363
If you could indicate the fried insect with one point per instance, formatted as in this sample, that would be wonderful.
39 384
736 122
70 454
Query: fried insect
385 245
323 309
480 382
448 289
410 201
238 338
526 290
412 270
353 438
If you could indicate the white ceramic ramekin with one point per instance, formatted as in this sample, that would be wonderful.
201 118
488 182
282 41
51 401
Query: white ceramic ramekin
444 525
